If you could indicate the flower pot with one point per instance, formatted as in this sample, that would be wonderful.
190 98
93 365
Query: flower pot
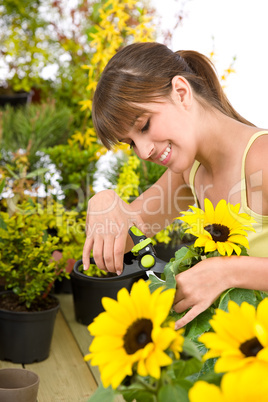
88 291
25 337
18 385
15 98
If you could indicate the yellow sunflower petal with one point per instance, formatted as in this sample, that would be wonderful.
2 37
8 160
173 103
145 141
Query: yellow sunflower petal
246 385
221 247
205 392
210 246
239 240
155 361
230 363
221 211
261 328
263 355
209 211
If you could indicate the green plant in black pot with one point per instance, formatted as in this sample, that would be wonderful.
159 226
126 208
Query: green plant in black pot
25 257
27 310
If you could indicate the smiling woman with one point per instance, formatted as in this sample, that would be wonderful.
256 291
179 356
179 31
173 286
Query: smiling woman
171 107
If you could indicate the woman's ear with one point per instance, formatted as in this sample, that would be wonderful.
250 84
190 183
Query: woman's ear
181 90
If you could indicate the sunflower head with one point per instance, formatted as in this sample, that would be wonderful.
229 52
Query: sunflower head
133 335
240 336
223 229
247 384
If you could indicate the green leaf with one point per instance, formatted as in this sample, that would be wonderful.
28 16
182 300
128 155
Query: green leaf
199 325
2 185
172 393
103 395
238 296
3 224
155 282
134 393
185 258
191 349
185 368
37 172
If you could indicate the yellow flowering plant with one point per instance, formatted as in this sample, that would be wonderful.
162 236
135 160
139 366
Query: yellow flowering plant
218 232
139 353
239 343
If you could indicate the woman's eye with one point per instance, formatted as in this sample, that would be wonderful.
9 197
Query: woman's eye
146 127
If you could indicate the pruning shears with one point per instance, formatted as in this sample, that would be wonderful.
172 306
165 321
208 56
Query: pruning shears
140 260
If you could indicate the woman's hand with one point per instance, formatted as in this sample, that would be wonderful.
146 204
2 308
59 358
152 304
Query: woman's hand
107 224
199 287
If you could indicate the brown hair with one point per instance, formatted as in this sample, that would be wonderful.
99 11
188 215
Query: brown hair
142 73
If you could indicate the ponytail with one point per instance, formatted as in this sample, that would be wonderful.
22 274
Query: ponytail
205 82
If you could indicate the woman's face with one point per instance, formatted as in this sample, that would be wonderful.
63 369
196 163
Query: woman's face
165 136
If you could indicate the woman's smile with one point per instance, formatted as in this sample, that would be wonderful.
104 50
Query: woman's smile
165 155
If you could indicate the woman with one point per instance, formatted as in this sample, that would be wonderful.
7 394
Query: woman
171 109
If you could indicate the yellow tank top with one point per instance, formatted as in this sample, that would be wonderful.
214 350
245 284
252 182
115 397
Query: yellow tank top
258 240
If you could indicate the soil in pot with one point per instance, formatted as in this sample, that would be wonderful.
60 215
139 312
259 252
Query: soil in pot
9 301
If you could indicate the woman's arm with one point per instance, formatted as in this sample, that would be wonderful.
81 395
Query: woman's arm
109 218
201 285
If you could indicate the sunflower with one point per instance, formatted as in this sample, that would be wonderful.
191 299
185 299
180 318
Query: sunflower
246 385
240 337
222 229
128 336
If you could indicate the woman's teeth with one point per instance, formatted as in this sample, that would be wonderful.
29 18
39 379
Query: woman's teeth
165 154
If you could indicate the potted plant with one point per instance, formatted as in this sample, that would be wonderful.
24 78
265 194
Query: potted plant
27 310
89 287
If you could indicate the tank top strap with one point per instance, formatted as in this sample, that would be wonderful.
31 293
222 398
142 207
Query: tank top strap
192 179
244 202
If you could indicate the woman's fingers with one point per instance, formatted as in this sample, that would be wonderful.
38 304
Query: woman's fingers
189 316
86 252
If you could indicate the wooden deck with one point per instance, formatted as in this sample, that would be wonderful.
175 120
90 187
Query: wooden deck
65 376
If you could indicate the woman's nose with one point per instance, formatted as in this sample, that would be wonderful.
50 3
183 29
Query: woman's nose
145 150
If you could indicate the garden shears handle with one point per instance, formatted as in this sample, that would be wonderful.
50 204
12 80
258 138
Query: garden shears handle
140 260
144 252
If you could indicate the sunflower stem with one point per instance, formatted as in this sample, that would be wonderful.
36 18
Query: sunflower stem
149 387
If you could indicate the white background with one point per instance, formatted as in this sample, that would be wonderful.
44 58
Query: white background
239 28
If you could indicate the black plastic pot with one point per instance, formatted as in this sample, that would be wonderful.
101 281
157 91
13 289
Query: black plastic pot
15 99
88 291
25 337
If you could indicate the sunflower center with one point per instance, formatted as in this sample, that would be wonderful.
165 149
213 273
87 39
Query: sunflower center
251 347
218 232
138 335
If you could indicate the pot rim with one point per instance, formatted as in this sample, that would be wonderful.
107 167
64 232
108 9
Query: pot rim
15 370
32 313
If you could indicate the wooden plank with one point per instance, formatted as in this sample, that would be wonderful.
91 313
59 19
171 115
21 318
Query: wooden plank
64 376
80 331
5 364
81 334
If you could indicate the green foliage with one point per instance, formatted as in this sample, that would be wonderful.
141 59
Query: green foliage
26 42
33 128
185 258
149 173
94 271
76 167
67 226
25 254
